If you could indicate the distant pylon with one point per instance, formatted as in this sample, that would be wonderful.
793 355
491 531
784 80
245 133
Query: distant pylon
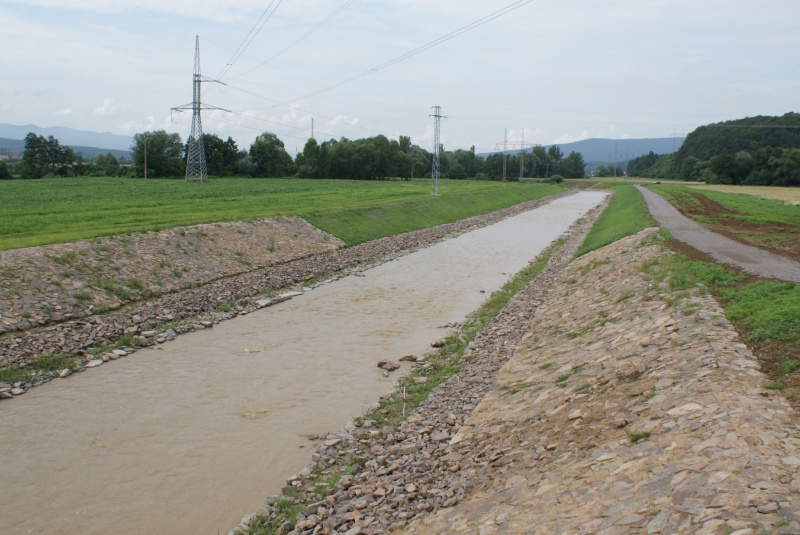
505 148
195 153
437 117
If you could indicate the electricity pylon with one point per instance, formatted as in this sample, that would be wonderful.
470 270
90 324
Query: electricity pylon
437 117
195 153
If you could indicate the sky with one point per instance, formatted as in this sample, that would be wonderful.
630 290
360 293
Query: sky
544 71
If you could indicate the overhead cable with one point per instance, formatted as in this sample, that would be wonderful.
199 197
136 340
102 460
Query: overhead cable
300 39
480 22
262 20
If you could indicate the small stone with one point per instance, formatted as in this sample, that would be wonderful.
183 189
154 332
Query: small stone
408 358
388 365
683 410
17 391
94 363
770 507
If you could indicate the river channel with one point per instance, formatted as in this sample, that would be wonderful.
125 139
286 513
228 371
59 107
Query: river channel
187 437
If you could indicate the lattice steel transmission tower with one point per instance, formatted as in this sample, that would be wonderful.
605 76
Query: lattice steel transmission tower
195 153
505 148
437 117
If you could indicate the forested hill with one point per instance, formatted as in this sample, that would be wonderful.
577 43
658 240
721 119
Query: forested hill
759 150
750 133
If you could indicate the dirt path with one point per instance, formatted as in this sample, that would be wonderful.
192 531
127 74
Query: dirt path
720 248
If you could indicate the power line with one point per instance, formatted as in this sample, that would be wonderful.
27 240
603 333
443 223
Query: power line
300 39
480 22
266 15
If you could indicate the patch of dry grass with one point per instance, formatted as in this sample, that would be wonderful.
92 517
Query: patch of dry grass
786 195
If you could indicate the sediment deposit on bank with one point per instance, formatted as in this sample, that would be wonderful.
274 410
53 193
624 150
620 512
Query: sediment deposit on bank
621 410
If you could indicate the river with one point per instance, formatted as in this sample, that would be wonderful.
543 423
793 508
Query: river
188 436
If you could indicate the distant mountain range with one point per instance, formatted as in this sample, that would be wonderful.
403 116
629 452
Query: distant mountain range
90 144
600 151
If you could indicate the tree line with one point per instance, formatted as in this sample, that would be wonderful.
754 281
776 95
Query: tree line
759 151
362 159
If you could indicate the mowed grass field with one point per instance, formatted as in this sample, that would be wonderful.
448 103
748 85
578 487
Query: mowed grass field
751 209
785 195
38 212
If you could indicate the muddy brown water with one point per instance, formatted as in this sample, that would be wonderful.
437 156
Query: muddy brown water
188 437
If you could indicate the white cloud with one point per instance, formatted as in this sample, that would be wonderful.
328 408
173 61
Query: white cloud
64 112
567 138
106 108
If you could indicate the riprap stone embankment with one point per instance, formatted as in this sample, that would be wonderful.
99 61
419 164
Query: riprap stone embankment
622 410
311 254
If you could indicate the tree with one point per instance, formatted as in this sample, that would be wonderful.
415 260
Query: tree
307 161
221 156
555 154
725 168
164 154
5 174
45 155
270 159
572 166
541 162
603 171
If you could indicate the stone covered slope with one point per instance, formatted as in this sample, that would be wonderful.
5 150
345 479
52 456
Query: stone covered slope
52 283
620 413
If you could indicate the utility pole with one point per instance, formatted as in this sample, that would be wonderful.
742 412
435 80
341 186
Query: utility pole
522 154
195 153
437 117
505 146
615 159
312 127
145 158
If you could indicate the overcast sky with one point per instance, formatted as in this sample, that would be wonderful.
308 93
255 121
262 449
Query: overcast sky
562 70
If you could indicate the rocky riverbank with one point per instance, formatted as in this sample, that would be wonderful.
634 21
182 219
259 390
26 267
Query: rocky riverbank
157 319
598 401
53 283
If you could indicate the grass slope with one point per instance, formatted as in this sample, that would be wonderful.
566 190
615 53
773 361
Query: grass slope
38 212
357 225
625 215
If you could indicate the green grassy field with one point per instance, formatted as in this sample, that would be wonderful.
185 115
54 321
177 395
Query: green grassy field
625 215
754 210
38 212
